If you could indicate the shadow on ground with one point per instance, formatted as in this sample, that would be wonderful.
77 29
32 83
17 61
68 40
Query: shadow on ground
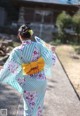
9 99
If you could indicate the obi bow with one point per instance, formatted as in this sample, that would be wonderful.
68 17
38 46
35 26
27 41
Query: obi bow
33 67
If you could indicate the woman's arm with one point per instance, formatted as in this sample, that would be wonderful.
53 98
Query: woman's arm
48 55
11 71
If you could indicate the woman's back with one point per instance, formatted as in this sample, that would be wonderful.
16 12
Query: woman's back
28 51
31 85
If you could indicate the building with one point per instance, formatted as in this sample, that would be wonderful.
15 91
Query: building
41 14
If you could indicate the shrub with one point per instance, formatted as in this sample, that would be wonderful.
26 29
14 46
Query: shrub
63 22
76 25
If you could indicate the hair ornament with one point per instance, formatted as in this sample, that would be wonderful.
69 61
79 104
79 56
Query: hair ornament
30 31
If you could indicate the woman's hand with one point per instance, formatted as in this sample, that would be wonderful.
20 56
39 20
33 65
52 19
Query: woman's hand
1 67
50 47
53 48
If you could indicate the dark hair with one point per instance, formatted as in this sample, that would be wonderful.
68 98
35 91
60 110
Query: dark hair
24 31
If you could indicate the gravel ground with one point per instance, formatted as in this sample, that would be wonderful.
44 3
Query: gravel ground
71 62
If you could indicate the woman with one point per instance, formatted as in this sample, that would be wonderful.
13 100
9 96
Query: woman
24 70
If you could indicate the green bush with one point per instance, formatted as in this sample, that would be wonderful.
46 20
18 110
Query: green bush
63 21
76 25
68 28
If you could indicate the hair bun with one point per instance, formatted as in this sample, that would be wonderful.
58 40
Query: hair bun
25 31
23 28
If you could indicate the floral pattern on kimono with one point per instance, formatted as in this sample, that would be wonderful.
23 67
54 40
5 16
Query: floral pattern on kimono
39 111
32 87
12 67
35 54
11 71
31 97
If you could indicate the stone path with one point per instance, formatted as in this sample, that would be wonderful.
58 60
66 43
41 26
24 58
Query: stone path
60 98
9 99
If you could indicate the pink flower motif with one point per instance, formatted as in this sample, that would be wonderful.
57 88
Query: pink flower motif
35 52
21 81
33 103
39 111
31 95
12 67
27 42
27 98
31 98
24 91
40 75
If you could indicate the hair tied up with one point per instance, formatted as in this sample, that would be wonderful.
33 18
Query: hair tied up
25 31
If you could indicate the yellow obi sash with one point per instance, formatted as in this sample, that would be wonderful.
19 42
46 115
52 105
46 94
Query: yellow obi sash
33 67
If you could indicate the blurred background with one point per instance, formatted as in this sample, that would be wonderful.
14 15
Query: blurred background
55 21
48 18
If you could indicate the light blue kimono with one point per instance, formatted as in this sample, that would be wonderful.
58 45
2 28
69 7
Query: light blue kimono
32 87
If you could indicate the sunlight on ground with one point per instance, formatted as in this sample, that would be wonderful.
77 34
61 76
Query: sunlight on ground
71 65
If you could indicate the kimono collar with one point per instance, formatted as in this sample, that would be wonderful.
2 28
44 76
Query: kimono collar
26 41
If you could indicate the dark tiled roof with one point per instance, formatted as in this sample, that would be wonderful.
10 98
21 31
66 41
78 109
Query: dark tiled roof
55 1
44 1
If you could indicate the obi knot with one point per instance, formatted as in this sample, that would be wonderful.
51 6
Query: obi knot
33 67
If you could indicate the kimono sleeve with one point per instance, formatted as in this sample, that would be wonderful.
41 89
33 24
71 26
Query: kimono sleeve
11 71
48 55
